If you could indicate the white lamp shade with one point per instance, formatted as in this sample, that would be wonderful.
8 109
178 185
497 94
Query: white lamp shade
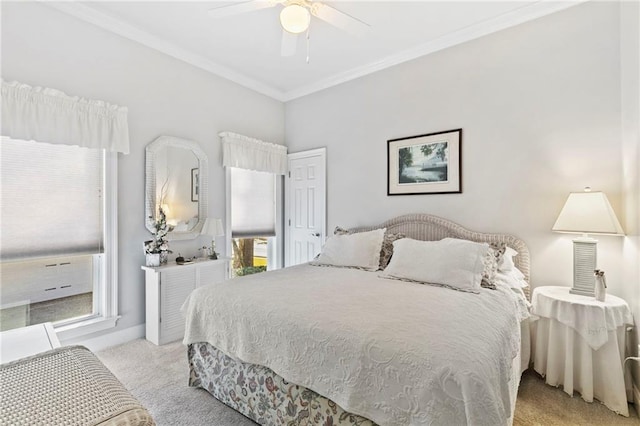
212 227
588 213
295 18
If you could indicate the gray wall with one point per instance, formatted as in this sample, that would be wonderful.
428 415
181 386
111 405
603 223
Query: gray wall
44 47
630 88
540 108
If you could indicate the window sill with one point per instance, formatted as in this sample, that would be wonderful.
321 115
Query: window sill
86 327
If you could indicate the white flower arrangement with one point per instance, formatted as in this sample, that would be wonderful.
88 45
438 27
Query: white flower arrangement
159 243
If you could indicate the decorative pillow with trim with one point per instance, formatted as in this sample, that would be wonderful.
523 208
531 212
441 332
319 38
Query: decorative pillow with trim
451 262
387 248
357 250
490 262
387 244
490 270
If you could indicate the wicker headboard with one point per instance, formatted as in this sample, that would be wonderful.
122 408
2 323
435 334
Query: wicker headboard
427 227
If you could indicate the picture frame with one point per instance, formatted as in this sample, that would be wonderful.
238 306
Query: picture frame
425 164
195 184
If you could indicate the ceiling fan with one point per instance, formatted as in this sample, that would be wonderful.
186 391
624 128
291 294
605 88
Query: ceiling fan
295 18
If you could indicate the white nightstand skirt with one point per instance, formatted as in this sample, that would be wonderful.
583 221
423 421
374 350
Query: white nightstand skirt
564 358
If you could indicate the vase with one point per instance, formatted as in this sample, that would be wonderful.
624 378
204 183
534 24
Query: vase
600 289
164 257
152 259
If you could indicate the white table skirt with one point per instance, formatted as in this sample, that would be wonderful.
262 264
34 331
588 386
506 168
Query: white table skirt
564 358
591 318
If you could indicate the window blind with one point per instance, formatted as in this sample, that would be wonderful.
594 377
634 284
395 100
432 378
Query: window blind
253 207
52 201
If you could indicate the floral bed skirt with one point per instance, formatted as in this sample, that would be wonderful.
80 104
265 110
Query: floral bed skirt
260 394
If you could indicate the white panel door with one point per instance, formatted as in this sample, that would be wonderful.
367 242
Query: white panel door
305 206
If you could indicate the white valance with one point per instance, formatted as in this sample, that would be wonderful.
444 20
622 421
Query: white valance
248 153
49 115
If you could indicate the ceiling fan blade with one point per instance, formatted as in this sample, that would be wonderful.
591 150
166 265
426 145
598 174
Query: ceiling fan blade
340 19
243 7
289 43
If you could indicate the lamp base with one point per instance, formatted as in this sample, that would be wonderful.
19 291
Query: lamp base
585 256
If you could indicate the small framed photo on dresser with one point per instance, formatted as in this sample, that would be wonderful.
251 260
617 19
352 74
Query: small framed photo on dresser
425 164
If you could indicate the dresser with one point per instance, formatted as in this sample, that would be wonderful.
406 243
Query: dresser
166 289
39 280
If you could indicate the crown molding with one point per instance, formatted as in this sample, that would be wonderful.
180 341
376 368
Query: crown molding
501 22
109 23
526 13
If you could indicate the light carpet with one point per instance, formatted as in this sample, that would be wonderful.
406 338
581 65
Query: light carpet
158 377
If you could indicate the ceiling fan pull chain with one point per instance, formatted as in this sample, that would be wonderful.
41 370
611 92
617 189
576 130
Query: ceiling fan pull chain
308 29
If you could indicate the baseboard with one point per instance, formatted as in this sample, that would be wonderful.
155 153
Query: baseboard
107 340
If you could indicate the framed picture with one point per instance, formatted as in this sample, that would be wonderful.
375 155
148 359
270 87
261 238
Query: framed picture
195 184
425 164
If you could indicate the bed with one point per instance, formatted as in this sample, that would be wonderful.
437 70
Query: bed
313 345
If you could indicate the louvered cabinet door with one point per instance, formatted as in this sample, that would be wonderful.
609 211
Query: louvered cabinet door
213 272
175 286
166 289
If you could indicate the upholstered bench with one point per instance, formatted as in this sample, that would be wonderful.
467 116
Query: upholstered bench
66 386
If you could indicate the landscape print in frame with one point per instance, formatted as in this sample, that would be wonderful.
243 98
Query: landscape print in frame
425 164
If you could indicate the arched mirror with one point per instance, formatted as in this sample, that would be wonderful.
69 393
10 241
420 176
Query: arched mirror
176 181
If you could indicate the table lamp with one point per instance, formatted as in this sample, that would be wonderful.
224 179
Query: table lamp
586 213
213 228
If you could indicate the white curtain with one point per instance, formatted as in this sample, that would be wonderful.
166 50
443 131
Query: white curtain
49 115
248 153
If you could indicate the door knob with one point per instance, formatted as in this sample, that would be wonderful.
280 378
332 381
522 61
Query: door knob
317 234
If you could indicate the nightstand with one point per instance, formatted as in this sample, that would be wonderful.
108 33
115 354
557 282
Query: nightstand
579 343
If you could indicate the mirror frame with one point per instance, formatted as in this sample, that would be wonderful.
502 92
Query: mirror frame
150 184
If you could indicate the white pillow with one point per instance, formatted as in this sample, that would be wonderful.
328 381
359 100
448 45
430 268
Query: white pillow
513 278
451 262
359 250
506 263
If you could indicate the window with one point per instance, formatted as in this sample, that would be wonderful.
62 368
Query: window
254 170
56 247
253 220
48 115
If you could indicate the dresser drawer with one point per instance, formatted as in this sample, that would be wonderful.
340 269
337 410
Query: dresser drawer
38 280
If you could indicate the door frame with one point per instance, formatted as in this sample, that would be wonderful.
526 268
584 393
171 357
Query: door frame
322 152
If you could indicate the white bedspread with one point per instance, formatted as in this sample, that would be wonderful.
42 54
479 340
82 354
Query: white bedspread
395 352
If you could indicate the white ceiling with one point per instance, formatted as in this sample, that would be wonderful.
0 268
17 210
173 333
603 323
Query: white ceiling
246 48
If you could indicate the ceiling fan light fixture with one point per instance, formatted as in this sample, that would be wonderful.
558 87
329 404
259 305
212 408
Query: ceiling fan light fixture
295 18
